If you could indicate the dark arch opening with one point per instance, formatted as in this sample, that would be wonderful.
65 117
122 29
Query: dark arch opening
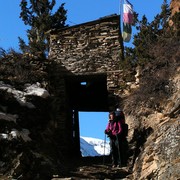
85 93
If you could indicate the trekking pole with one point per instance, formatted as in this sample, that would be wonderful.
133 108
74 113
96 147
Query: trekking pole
118 150
104 149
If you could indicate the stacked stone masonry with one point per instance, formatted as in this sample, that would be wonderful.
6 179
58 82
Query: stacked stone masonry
92 47
88 49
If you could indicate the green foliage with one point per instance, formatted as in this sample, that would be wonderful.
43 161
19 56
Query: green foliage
37 14
22 45
176 24
130 59
156 53
155 86
165 14
19 69
2 53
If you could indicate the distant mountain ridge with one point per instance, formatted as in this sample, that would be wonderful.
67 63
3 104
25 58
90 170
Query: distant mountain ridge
94 147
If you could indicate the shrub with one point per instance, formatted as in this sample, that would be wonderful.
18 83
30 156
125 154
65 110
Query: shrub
20 69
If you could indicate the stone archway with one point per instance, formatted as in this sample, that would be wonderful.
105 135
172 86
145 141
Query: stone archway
84 93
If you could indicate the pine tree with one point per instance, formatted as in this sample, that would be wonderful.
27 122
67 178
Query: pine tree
148 34
37 14
142 40
165 14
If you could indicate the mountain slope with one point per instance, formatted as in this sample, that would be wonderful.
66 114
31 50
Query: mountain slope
93 147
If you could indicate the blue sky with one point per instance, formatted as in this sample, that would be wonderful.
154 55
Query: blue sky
79 11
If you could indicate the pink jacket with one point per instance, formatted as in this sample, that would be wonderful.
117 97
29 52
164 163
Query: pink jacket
115 127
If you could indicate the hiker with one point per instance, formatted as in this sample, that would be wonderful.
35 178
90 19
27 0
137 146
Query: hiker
123 143
114 132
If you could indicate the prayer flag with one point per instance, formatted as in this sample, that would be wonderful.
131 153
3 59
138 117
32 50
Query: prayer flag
127 30
127 20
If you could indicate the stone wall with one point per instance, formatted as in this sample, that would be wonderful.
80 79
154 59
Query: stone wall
89 49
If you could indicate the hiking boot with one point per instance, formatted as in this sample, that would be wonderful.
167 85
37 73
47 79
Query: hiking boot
121 166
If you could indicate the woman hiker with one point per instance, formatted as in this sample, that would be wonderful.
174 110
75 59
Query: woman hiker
114 132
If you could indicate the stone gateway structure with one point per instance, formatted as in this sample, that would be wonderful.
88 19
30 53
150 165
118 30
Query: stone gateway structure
84 75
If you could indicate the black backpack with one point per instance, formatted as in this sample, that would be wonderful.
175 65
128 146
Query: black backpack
119 115
125 130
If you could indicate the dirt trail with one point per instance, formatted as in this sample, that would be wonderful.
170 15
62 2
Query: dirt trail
94 168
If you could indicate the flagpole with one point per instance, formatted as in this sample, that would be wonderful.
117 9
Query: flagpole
120 5
121 13
121 29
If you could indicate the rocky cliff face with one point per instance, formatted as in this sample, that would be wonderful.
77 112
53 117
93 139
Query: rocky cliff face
159 158
175 6
25 151
154 120
28 136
